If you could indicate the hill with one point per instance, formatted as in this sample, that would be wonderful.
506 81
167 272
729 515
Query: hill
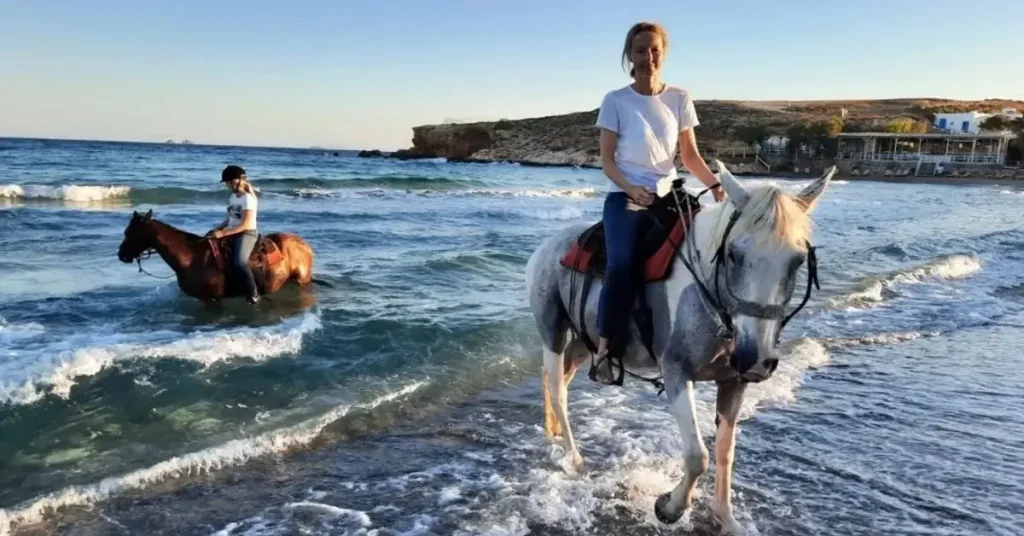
572 139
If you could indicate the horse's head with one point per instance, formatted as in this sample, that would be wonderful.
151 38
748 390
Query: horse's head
761 238
137 237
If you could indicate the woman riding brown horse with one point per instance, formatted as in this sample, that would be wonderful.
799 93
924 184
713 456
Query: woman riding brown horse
199 262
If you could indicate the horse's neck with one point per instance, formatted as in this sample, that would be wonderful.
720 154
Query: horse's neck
698 247
175 247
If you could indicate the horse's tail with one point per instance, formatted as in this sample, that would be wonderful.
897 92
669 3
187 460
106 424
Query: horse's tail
321 282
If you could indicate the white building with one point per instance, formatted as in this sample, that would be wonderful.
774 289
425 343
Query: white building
970 122
964 123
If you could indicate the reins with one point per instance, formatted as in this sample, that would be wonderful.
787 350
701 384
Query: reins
148 252
144 255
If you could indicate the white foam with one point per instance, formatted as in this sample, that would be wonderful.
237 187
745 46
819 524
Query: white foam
943 268
879 338
355 515
567 193
633 451
18 332
67 193
231 453
55 369
948 267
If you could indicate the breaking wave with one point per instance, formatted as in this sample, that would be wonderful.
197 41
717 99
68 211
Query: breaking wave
56 369
228 454
877 289
287 187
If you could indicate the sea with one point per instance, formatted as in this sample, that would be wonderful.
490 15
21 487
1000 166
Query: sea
402 397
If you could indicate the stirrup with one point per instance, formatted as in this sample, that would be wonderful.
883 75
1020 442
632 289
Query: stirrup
610 361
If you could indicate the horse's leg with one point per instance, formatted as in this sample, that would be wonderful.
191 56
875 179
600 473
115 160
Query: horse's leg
670 506
730 396
573 356
556 399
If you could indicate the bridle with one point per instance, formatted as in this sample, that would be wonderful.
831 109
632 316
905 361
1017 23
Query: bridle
739 306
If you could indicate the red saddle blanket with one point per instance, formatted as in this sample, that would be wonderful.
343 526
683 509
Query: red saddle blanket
656 248
264 255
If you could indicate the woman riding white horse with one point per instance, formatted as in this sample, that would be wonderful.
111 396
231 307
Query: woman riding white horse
717 317
642 124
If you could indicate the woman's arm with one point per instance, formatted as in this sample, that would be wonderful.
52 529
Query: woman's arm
609 139
248 222
693 162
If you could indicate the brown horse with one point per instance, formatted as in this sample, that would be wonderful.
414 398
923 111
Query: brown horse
197 267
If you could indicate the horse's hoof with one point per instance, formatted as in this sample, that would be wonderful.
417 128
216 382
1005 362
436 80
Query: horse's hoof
732 528
661 510
576 464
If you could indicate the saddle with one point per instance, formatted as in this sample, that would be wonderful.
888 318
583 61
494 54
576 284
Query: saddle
658 237
264 255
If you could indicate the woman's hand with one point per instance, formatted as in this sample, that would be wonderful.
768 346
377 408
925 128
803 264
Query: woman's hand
640 195
719 193
214 233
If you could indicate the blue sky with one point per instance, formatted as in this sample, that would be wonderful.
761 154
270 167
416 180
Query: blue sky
360 74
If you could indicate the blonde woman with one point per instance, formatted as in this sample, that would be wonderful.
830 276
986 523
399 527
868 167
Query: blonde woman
642 126
240 223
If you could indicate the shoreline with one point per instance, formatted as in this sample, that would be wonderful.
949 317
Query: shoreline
948 181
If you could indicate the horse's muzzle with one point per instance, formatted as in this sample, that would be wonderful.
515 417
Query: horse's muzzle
748 361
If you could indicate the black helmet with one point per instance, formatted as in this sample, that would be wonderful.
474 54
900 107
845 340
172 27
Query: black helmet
231 173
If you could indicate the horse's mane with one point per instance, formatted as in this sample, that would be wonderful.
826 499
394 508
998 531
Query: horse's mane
191 237
772 216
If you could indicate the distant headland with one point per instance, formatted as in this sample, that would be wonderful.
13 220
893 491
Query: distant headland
885 137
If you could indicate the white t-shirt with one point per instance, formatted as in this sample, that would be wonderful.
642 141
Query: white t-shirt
648 128
236 204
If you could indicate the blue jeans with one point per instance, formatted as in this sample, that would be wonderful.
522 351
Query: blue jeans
620 235
244 244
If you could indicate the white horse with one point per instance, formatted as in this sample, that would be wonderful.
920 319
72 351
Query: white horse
722 325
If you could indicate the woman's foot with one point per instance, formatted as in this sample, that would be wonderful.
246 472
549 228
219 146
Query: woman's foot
601 370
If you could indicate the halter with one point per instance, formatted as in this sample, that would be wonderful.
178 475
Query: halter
743 307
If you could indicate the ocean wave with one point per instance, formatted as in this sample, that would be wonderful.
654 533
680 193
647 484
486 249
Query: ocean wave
18 332
568 193
877 289
51 371
229 454
287 187
73 193
395 182
876 339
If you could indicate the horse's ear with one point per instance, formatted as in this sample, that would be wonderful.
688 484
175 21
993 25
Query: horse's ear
736 192
135 214
809 195
149 215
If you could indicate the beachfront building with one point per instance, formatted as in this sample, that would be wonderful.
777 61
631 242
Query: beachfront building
970 122
921 154
774 145
966 122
